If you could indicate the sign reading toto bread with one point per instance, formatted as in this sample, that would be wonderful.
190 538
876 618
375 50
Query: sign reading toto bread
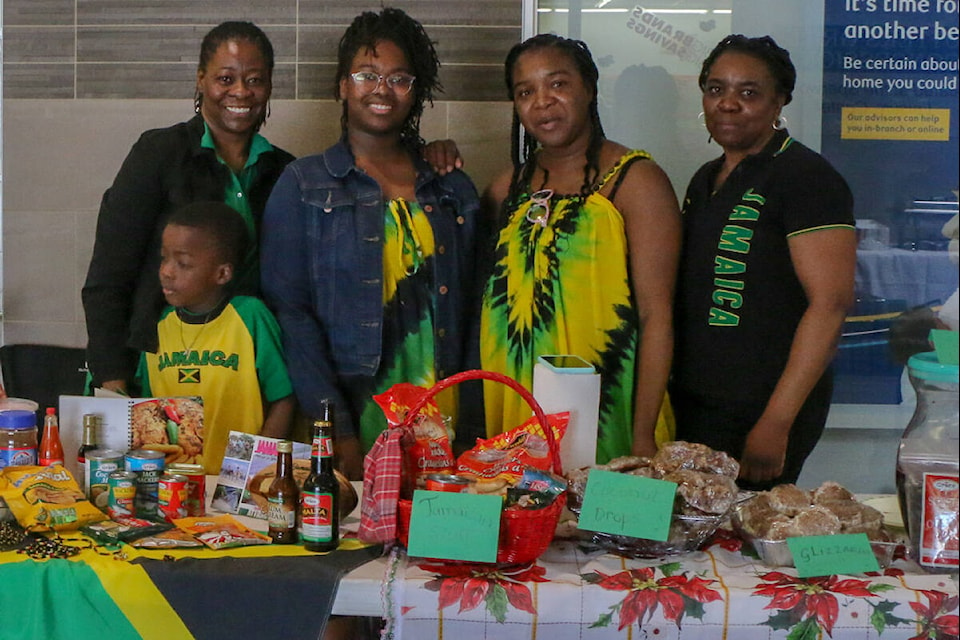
626 505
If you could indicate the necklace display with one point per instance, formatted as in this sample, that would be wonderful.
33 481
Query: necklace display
181 313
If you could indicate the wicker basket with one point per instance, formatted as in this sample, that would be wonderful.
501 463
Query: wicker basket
524 533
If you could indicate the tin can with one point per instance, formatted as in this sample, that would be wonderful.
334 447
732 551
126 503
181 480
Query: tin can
122 493
97 467
172 496
448 482
196 486
148 465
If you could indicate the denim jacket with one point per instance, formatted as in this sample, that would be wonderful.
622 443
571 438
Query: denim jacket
322 271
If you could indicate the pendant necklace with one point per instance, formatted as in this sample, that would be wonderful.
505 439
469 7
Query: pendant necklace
181 312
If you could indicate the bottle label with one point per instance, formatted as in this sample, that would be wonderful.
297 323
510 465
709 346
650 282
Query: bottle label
280 515
322 446
317 516
18 457
46 462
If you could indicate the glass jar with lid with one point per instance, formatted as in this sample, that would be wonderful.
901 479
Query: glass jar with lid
928 465
18 438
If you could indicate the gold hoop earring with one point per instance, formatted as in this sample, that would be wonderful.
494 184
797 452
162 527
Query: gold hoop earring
197 101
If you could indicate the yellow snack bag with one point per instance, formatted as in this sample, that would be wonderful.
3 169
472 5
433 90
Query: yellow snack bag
45 498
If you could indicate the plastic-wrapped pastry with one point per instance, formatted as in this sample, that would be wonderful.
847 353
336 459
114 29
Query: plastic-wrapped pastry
705 492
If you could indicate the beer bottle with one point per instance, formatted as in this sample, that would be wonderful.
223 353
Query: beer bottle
51 449
88 443
320 496
283 498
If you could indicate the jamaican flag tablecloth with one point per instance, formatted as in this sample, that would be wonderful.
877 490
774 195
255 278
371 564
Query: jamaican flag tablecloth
268 591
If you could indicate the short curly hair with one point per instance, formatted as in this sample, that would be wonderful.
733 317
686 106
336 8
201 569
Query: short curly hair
393 25
223 224
764 49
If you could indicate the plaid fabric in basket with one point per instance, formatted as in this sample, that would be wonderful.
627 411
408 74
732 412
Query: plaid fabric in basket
382 469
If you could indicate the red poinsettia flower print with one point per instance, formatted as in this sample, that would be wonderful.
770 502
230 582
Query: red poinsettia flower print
936 618
726 539
671 593
811 598
470 585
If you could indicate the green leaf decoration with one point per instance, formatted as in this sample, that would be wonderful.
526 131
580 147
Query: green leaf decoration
497 602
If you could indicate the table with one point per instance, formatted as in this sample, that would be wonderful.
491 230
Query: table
577 591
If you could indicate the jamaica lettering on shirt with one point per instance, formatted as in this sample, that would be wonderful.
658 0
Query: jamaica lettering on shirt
729 265
195 358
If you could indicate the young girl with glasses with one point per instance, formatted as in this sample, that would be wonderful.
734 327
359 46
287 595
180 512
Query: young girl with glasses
368 254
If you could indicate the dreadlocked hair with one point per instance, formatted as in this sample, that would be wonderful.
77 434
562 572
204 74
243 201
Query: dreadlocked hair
393 25
524 147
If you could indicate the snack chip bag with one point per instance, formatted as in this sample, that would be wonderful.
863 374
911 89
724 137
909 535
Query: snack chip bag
499 462
430 450
46 498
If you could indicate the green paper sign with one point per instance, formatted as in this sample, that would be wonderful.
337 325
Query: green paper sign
947 345
626 505
455 526
832 555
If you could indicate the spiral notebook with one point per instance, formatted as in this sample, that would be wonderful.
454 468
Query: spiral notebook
171 425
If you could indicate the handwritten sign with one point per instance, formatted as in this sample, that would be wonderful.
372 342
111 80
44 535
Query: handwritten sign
626 505
831 555
455 526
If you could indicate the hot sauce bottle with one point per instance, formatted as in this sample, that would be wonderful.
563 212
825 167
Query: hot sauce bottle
320 495
51 449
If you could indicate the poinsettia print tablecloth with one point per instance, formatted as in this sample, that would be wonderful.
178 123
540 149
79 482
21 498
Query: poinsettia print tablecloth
575 591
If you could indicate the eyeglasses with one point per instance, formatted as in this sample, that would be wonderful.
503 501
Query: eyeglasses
539 210
368 82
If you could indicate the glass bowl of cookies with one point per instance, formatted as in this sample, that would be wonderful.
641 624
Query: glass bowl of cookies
706 494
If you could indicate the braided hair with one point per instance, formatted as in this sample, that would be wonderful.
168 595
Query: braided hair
767 51
227 32
523 149
395 26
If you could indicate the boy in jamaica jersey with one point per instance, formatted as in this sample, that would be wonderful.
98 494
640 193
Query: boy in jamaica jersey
224 348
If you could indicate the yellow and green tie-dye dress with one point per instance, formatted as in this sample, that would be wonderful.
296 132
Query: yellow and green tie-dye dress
563 287
408 348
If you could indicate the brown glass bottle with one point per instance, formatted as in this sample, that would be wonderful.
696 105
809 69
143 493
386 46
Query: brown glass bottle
283 498
88 443
320 496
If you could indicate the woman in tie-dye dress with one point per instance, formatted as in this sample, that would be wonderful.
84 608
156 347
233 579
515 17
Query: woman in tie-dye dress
586 253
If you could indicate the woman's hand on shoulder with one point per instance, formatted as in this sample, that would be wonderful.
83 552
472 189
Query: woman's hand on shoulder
443 156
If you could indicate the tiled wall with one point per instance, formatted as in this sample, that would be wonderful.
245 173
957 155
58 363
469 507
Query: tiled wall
83 78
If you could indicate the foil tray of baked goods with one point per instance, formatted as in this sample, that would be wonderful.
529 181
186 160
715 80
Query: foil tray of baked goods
687 534
767 519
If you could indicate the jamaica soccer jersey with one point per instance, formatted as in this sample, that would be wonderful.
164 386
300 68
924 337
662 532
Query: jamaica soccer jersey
233 361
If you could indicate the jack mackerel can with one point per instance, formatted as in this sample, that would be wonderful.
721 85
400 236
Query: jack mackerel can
148 465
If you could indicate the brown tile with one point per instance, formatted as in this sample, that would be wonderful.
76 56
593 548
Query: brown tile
38 12
473 82
428 12
163 44
476 45
207 12
38 44
315 81
48 81
156 81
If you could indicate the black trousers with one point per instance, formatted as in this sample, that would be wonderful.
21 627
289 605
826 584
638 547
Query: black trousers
724 426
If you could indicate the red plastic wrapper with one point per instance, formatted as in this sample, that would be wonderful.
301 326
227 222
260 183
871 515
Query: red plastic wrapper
429 450
499 462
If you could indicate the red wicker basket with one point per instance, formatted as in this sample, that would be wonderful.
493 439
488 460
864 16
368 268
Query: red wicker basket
524 533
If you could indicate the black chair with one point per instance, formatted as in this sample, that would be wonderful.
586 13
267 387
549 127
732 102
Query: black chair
42 372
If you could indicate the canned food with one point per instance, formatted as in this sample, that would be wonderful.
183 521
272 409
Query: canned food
97 467
448 482
122 493
172 496
148 465
196 486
